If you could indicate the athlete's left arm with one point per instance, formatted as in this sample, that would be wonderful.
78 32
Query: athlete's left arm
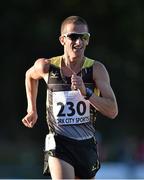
106 103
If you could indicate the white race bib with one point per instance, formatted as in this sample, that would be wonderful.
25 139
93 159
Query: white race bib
70 107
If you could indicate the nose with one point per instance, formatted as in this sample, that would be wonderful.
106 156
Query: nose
78 40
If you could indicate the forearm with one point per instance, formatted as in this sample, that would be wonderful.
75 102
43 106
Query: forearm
31 92
106 106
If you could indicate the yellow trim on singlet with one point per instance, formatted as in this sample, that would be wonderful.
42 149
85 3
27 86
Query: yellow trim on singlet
87 63
97 91
56 61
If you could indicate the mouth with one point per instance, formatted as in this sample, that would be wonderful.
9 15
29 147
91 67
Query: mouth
77 49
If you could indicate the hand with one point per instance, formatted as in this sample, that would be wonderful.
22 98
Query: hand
77 83
30 119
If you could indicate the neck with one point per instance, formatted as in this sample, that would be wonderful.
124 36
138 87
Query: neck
73 63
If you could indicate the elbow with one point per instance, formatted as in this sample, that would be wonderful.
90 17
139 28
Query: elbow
113 114
113 110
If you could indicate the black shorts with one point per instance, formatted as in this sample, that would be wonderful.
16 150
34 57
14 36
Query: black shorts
81 154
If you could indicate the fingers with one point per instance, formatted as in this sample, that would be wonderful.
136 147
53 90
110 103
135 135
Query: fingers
76 81
28 122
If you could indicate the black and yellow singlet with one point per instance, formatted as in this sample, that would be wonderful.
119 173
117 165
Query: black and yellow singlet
68 113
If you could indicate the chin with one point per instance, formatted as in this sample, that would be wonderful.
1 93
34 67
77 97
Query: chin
77 55
75 58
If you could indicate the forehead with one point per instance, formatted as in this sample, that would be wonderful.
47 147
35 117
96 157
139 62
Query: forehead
79 28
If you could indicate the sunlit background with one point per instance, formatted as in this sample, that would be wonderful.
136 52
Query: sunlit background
30 29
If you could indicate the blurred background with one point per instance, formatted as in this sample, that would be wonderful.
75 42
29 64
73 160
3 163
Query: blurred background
30 29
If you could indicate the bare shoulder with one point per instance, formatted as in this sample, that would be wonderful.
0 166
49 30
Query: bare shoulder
39 69
99 66
41 66
100 71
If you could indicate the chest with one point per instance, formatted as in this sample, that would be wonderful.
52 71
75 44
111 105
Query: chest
57 81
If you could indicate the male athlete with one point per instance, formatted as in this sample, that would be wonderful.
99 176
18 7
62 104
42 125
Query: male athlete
77 87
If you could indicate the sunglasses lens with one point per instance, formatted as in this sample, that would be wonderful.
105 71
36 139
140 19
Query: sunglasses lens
85 37
75 36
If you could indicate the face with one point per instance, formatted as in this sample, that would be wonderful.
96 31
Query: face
75 38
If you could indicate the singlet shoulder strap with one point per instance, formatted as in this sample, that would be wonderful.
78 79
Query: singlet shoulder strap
88 62
56 61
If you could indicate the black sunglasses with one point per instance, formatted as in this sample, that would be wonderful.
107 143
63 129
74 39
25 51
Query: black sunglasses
75 36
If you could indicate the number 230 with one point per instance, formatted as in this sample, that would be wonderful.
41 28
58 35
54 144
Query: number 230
80 108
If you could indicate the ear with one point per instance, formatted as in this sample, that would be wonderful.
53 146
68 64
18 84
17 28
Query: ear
87 42
62 40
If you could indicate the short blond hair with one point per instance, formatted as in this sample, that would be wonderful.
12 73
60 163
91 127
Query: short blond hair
75 20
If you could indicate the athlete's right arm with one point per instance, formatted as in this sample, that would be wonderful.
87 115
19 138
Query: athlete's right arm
32 76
